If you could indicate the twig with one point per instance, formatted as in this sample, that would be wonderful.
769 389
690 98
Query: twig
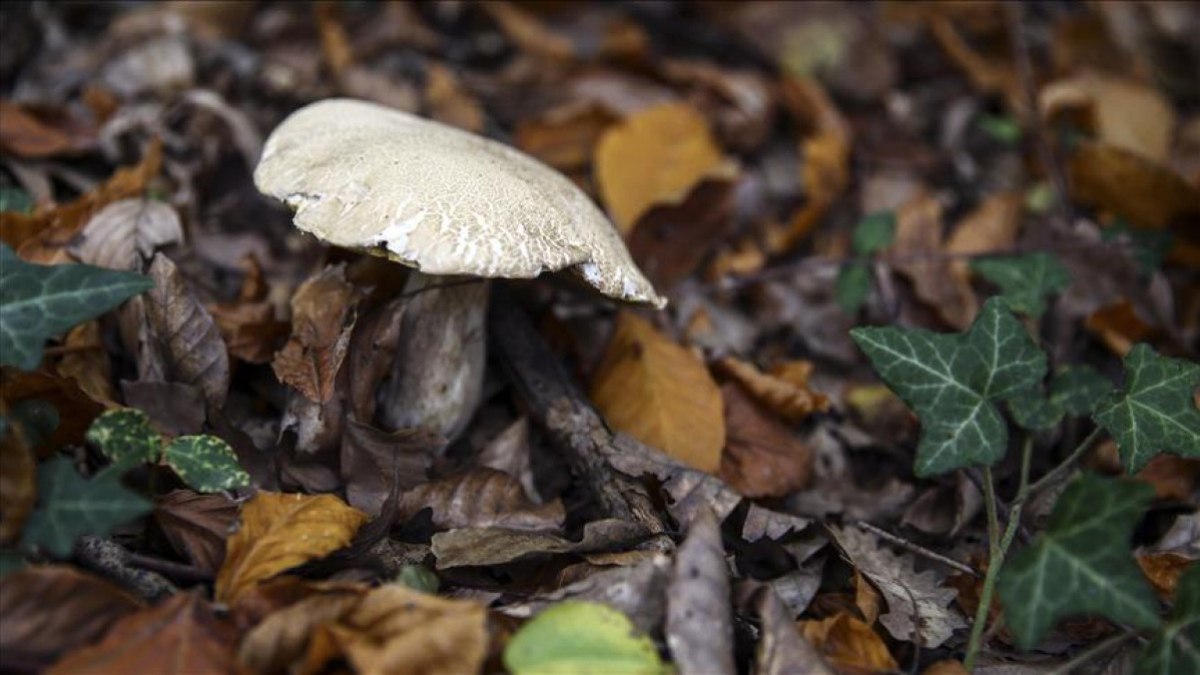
1083 657
1059 472
171 570
918 549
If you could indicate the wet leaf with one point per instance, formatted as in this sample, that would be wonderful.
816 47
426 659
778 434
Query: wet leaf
660 393
38 302
1025 280
1081 564
178 636
953 382
656 156
279 532
197 525
849 644
206 463
323 316
70 506
1155 412
580 637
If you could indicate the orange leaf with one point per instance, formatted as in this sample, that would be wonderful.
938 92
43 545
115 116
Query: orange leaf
323 316
849 644
785 392
762 458
656 156
281 531
1147 194
1163 571
660 393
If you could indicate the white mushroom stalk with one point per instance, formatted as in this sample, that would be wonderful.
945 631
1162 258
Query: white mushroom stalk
449 204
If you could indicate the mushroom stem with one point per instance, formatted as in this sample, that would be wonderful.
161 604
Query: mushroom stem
437 377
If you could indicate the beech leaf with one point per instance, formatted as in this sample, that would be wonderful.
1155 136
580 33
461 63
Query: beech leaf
71 506
1082 563
581 637
1156 412
1025 280
38 302
953 382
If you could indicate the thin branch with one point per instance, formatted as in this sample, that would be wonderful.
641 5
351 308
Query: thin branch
918 549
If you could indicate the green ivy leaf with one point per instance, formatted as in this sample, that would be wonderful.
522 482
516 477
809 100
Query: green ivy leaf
125 437
852 286
10 561
15 199
1031 410
1175 650
587 638
1001 128
874 232
71 506
1082 564
40 301
1025 280
1155 413
37 420
206 463
1079 389
953 381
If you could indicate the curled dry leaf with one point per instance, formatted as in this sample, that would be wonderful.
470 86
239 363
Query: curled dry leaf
183 335
655 156
660 393
323 316
48 610
179 636
916 252
197 525
279 532
481 498
127 232
849 644
784 390
699 626
762 458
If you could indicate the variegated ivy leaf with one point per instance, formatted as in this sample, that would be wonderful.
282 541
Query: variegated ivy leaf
1025 280
953 382
1082 564
1156 412
1176 648
206 463
126 437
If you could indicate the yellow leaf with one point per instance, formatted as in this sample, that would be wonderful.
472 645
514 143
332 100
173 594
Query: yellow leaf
279 532
1147 194
656 156
789 397
661 394
849 644
1124 113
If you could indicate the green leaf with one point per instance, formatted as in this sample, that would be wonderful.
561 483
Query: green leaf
953 381
874 232
1150 247
37 419
206 463
71 506
1025 280
1031 410
15 199
1175 650
125 437
852 286
40 301
1082 564
1155 413
586 638
419 578
1079 389
1001 128
10 561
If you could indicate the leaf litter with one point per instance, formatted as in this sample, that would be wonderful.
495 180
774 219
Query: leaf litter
195 392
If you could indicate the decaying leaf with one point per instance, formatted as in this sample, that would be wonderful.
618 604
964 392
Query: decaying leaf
1124 113
699 622
184 337
782 648
323 316
281 531
918 603
1119 181
197 525
654 157
660 393
670 240
373 460
179 636
471 547
783 390
917 253
762 458
849 644
127 232
481 498
87 362
48 610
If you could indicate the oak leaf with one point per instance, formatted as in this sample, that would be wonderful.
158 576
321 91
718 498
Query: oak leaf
660 393
279 532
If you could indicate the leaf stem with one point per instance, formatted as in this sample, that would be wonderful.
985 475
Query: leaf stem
1059 472
998 546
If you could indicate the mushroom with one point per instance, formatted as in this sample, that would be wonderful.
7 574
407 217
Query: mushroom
457 208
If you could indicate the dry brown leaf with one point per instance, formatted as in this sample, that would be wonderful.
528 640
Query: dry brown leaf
1163 571
1124 113
479 498
991 227
281 531
335 44
449 102
738 102
180 636
762 458
18 483
1172 476
916 252
1118 326
323 316
509 451
197 525
372 460
784 391
279 640
528 32
1147 194
250 330
50 609
43 236
86 361
566 137
37 132
783 650
655 156
987 74
699 626
669 241
76 409
660 393
183 335
866 598
490 546
174 408
127 232
947 667
849 644
372 353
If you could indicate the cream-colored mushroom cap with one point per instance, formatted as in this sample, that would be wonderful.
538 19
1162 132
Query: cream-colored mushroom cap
366 177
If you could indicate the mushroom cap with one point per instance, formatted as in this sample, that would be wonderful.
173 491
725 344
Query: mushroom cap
447 202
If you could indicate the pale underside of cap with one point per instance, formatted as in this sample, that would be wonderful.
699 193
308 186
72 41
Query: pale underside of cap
447 202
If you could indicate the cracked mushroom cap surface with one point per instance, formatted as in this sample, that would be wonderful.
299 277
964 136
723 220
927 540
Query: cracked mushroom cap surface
366 177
